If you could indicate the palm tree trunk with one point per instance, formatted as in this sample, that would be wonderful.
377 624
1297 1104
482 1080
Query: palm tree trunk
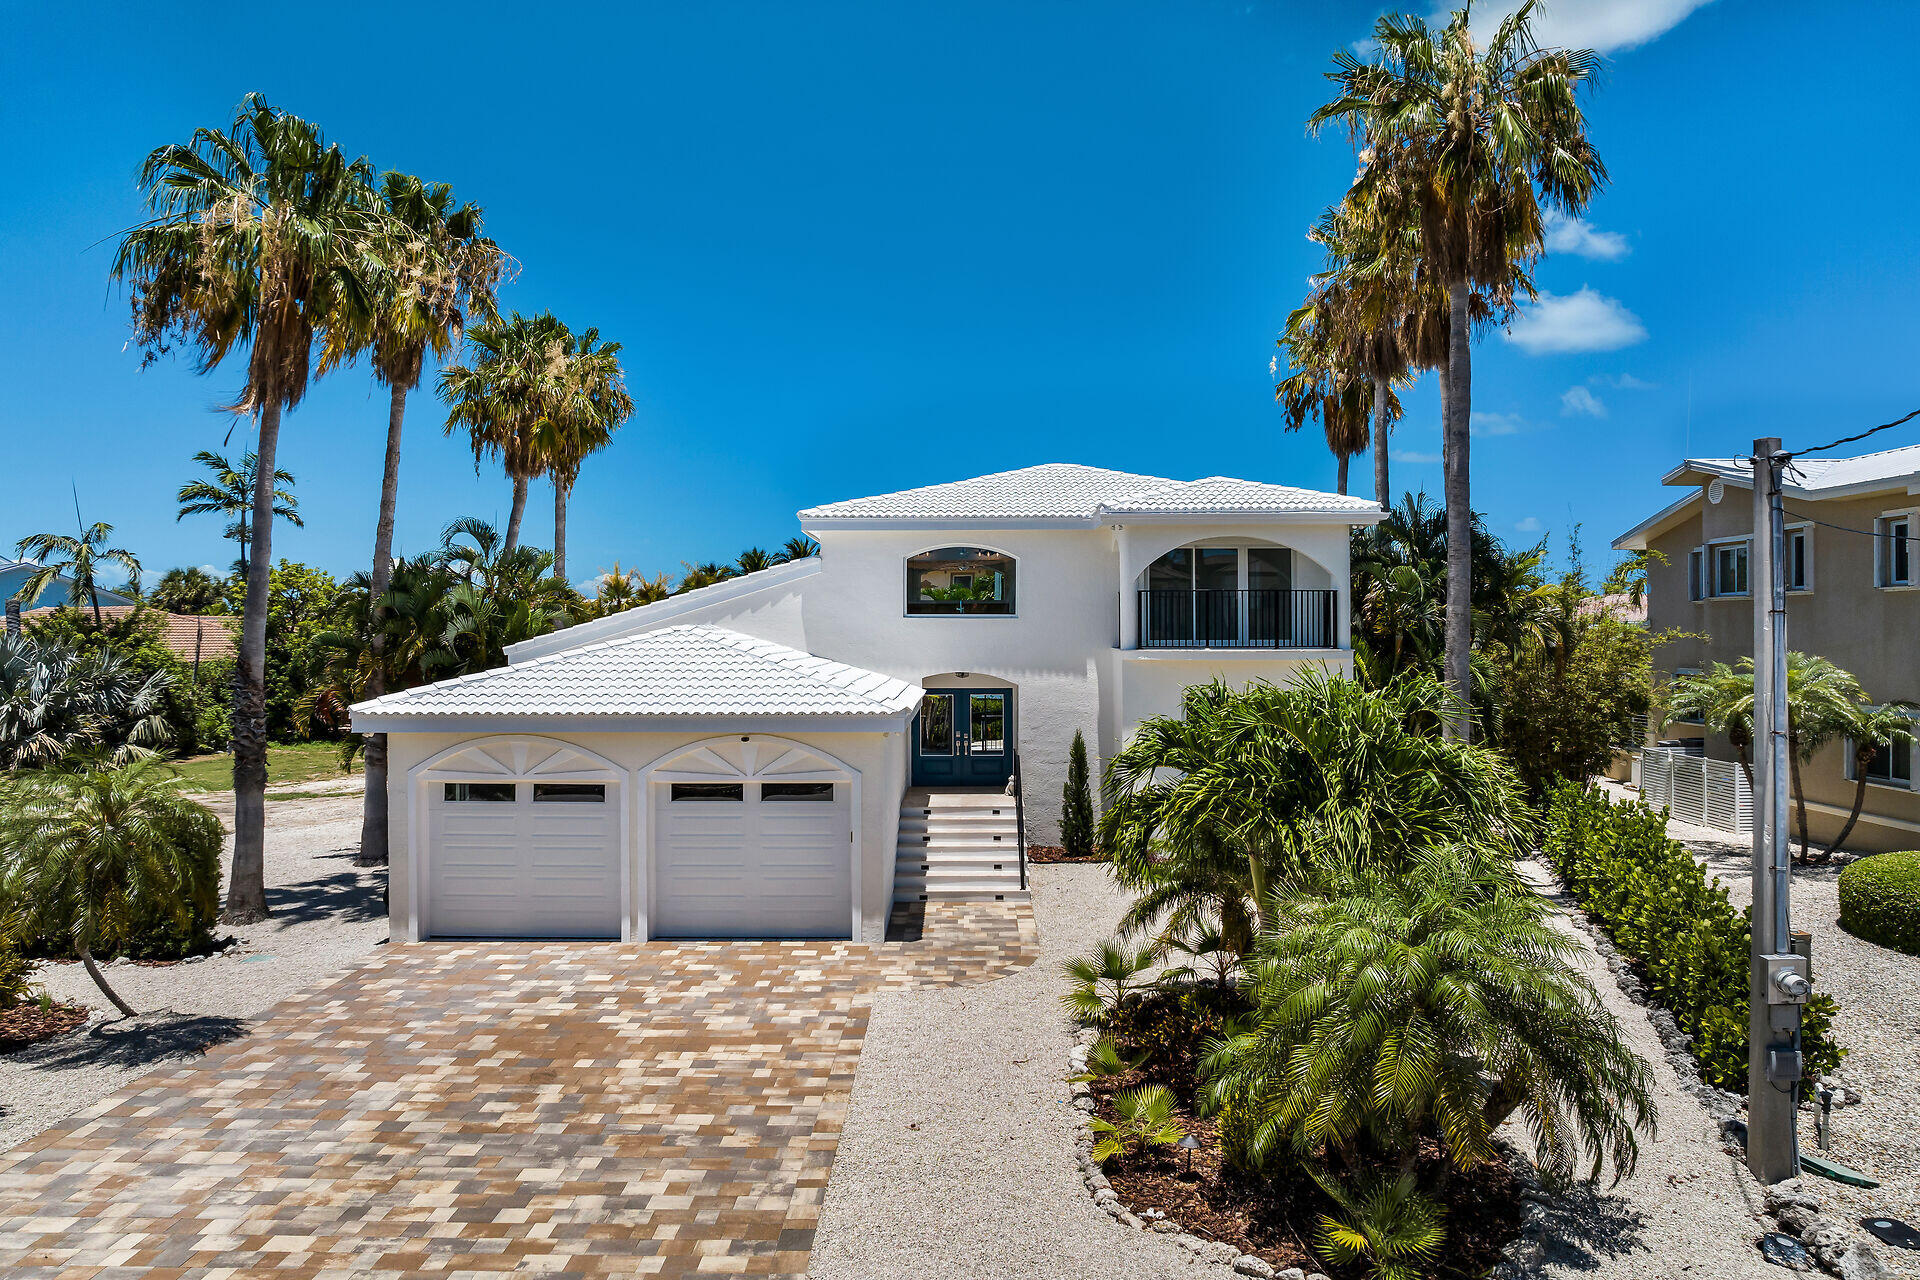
1456 430
246 884
100 981
1340 484
1860 762
93 594
559 529
373 803
513 518
1799 797
1381 424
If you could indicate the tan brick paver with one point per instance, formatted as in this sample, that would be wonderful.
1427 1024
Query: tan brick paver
475 1109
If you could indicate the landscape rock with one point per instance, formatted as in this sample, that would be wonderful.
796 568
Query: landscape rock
1221 1252
1526 1252
1790 1192
1165 1226
1088 1035
1860 1262
1133 1220
1248 1265
1291 1273
1084 1102
1797 1219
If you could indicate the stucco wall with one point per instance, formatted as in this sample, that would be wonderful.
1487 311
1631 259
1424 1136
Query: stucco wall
879 758
1870 631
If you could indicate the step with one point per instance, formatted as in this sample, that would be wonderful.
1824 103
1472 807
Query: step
964 858
920 799
956 819
972 840
977 888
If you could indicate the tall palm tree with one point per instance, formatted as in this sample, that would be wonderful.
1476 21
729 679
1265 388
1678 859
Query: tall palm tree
1481 140
1322 385
434 270
502 394
591 404
75 558
229 492
261 237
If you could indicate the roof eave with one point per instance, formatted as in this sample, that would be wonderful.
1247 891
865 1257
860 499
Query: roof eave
811 524
1358 515
1636 538
879 721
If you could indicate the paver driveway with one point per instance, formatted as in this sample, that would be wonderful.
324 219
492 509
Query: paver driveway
448 1108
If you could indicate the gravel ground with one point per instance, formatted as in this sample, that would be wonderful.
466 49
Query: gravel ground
1878 991
325 914
958 1158
1689 1210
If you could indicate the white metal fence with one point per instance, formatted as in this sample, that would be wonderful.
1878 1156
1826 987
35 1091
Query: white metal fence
1707 793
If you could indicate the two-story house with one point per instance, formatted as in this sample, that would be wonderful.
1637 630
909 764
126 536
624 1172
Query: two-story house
1852 571
786 753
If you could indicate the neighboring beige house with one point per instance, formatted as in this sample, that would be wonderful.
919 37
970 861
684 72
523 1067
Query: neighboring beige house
1853 581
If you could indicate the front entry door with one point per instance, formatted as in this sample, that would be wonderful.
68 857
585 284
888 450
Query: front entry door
961 738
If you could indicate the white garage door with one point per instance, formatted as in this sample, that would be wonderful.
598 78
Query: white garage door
524 860
752 860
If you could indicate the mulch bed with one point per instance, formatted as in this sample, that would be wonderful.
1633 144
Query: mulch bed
1054 853
27 1023
1277 1220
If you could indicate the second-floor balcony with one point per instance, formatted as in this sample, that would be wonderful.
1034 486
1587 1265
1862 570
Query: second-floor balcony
1239 619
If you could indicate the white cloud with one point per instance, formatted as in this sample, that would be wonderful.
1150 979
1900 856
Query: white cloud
1623 382
1606 26
1418 459
1583 321
1496 424
1580 400
1579 237
1530 525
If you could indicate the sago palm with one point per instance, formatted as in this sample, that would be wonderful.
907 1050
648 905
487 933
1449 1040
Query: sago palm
75 557
261 236
1479 141
1439 1002
228 491
96 848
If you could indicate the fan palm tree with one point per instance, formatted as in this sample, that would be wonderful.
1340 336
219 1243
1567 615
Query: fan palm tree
76 558
1387 1008
591 404
1323 384
229 492
95 846
58 702
1479 140
261 237
434 270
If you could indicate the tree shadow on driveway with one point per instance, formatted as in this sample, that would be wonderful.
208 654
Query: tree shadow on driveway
348 895
130 1043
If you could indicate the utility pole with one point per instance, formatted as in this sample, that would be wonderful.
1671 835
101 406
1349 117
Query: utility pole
1781 980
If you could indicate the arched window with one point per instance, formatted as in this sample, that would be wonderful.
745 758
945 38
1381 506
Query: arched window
960 580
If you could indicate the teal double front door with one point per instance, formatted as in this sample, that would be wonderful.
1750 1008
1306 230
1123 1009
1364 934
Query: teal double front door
962 738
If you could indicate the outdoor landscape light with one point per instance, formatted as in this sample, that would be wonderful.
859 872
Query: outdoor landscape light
1189 1144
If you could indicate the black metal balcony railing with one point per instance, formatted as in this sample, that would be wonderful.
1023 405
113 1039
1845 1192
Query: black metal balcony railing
1265 619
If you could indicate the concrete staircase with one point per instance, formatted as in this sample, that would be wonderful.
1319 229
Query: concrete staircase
958 846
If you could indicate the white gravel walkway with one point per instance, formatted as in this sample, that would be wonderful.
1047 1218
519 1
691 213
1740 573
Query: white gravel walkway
1878 991
958 1157
325 914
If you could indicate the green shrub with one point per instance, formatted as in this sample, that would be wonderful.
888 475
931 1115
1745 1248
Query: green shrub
1171 1025
15 970
1076 803
1880 900
1675 922
1142 1118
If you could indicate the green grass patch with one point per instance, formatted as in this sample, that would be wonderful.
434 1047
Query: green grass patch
287 763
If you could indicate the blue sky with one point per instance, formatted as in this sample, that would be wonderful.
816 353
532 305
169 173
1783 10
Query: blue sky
855 247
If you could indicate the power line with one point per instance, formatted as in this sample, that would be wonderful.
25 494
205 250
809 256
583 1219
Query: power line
1825 524
1854 439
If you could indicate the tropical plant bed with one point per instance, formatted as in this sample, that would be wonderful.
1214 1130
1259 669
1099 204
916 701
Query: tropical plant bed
30 1022
1055 853
1275 1220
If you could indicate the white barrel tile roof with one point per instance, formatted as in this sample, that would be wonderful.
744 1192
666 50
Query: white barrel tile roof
684 670
1069 491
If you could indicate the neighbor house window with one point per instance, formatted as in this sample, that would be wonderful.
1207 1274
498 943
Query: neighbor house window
1799 567
466 792
960 580
1890 766
1697 574
1895 550
1729 563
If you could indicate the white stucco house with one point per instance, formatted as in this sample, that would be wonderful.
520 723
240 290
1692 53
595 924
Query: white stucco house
788 753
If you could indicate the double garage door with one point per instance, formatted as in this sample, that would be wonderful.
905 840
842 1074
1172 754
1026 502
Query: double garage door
746 859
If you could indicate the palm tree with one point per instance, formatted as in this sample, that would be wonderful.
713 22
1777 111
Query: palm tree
1323 385
754 559
90 848
1208 810
799 548
1870 730
626 590
188 590
434 270
1478 140
230 493
592 404
703 575
58 702
1387 1008
260 238
75 558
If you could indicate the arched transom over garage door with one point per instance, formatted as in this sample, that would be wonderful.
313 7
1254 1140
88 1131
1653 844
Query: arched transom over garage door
525 840
753 837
